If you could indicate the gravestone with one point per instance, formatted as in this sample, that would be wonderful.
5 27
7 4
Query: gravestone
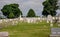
51 25
28 20
47 21
20 16
58 24
55 32
3 34
40 20
49 18
13 23
0 21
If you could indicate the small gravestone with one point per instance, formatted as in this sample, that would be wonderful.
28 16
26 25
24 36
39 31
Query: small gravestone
3 34
51 21
0 21
6 21
10 19
53 17
20 16
40 20
49 18
51 25
55 32
47 21
13 23
58 24
28 20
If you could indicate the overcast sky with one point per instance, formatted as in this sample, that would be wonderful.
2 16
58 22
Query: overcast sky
25 5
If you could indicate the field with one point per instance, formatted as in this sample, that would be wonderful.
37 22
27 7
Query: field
41 29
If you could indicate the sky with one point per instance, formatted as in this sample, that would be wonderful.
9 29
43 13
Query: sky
25 5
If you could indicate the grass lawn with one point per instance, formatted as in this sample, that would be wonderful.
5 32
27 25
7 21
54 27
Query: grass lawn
41 29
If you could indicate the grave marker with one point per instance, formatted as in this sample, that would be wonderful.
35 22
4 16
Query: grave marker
51 25
3 34
55 32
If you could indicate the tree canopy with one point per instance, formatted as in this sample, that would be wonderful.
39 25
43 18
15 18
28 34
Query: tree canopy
11 11
50 7
31 13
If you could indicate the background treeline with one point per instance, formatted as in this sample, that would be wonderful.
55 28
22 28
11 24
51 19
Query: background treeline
13 11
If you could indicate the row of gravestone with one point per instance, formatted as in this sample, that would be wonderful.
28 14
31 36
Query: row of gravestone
49 18
30 20
11 21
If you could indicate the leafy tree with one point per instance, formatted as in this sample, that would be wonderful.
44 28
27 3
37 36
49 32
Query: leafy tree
50 7
31 13
11 15
11 11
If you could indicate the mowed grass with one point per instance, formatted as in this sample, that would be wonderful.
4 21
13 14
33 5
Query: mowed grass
41 29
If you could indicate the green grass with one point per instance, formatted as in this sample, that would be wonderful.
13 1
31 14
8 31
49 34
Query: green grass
42 29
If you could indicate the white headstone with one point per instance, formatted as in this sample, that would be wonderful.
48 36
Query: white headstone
10 19
49 17
28 20
16 21
53 17
32 20
51 21
0 21
20 16
21 19
47 21
13 23
51 25
40 20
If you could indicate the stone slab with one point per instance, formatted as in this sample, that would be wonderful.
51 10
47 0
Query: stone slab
3 34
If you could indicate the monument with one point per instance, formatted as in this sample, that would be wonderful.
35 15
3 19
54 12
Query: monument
55 32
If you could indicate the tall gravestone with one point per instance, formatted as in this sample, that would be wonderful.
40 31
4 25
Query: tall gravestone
50 19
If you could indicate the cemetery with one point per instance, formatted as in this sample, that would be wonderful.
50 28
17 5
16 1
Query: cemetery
29 27
43 21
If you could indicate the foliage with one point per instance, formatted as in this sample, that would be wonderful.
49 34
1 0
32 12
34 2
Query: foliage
50 7
31 13
11 15
11 9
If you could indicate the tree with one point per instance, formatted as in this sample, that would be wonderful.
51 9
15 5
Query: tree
11 11
31 13
11 15
50 7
